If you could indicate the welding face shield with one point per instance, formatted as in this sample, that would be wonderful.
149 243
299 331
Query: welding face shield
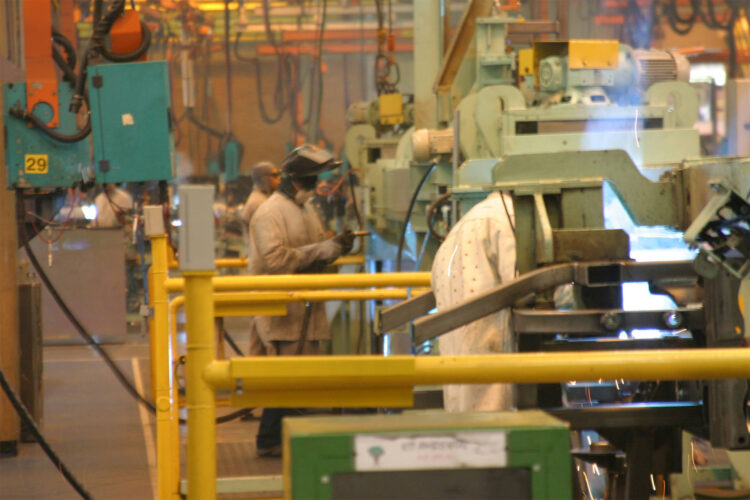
301 168
308 162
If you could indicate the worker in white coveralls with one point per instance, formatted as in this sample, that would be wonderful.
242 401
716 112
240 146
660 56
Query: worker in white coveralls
479 253
287 237
266 179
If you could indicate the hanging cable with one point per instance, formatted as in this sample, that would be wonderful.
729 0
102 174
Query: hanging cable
412 202
23 413
121 377
71 317
135 54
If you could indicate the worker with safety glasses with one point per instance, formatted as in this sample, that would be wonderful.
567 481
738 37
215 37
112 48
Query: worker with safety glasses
287 237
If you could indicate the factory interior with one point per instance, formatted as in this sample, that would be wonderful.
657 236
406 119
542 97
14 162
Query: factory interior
375 249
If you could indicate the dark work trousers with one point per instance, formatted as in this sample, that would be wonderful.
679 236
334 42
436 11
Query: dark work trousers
269 431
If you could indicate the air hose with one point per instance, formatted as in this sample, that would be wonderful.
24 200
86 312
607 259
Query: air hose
86 335
23 413
412 202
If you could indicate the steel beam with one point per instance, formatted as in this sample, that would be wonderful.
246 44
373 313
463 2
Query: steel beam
603 321
614 416
596 274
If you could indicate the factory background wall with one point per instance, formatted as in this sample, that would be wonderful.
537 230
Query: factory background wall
343 83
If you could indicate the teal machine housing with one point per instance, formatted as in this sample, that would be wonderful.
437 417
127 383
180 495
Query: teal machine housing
66 163
131 122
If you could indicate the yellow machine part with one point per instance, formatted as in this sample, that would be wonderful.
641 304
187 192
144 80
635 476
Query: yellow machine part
593 54
582 54
525 62
391 107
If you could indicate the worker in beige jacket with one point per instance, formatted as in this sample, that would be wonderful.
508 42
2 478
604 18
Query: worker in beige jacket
287 237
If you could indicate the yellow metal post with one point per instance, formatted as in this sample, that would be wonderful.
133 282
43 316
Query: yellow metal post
168 477
167 449
201 447
197 266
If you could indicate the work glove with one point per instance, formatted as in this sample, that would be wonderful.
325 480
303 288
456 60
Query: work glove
346 240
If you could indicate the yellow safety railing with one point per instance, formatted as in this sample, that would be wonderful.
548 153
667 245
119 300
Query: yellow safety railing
241 262
277 292
388 381
308 381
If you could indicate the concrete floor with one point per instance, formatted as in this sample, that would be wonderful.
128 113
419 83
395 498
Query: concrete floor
102 434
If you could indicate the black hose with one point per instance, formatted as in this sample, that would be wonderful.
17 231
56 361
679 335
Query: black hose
70 50
26 418
133 55
203 126
69 75
360 224
94 48
72 318
22 114
233 344
402 237
432 211
87 336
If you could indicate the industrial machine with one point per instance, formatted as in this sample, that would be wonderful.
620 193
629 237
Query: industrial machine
556 125
524 455
129 115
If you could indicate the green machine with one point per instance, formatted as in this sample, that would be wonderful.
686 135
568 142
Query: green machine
131 122
520 455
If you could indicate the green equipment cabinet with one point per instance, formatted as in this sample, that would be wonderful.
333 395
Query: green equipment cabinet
35 160
131 121
428 455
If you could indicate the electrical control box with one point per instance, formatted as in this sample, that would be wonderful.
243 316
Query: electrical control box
131 121
35 160
427 455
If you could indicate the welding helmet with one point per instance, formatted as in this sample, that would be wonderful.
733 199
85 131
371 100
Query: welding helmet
308 161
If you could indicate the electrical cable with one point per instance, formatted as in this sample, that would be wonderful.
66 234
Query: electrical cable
432 210
319 68
23 413
281 105
23 114
412 202
355 205
85 334
71 317
70 51
507 214
189 112
68 74
228 66
232 343
137 53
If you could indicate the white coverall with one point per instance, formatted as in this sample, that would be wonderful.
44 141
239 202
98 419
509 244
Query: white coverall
254 201
287 238
479 253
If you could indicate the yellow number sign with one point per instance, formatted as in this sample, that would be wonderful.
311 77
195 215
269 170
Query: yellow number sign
37 164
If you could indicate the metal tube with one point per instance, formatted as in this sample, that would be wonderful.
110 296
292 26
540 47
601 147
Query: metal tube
201 445
242 261
309 281
374 372
168 464
538 368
